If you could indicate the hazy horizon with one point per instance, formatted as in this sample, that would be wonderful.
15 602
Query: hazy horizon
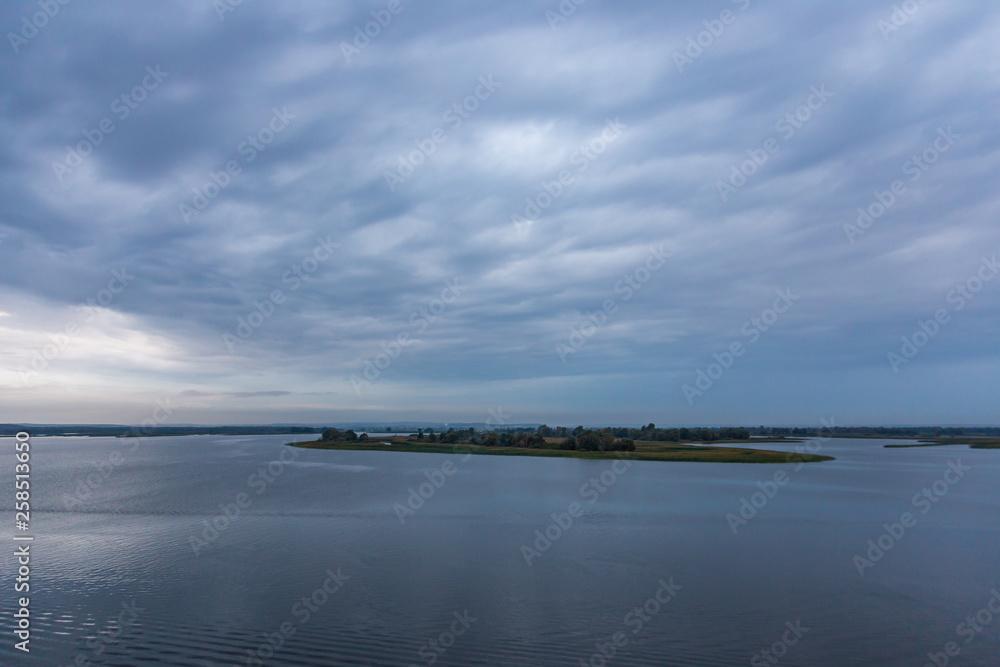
489 424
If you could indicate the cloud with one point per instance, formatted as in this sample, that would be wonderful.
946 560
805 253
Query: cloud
490 156
233 394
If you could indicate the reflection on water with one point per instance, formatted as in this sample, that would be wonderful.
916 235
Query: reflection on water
217 551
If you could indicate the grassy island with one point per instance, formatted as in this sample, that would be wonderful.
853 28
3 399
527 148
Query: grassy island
582 445
973 442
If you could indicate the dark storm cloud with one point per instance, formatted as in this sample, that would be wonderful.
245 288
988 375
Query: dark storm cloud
486 105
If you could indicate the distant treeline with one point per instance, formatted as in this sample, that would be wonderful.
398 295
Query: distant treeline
115 430
651 432
504 436
595 441
884 431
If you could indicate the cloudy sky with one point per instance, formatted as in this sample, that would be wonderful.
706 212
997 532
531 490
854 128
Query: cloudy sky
321 211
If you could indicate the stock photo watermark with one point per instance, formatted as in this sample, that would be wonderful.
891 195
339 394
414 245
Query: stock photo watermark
563 12
419 321
420 495
591 491
90 484
249 150
631 282
973 626
714 28
750 507
303 610
112 633
363 35
114 629
223 7
914 168
259 481
454 117
22 548
48 10
635 621
264 308
122 106
752 329
787 126
900 16
58 342
924 500
552 190
779 649
927 330
434 649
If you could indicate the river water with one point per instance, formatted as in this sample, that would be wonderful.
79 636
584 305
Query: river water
377 558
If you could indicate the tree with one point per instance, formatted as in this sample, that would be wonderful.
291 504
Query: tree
607 441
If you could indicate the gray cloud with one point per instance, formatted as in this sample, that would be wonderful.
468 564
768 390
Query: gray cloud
323 177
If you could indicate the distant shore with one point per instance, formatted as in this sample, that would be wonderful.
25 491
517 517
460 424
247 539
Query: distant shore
974 443
644 450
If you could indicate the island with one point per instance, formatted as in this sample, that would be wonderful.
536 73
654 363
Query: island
646 444
973 442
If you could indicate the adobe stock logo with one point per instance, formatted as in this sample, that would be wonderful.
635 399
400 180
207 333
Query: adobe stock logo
704 40
552 190
30 28
631 282
419 321
249 149
122 106
901 15
454 117
753 329
91 309
381 19
566 9
924 500
959 297
793 121
883 200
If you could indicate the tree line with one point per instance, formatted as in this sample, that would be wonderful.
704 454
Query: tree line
623 438
651 432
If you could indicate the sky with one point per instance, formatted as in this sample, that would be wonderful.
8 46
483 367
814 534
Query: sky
588 212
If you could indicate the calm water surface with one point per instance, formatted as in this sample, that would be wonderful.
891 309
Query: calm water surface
138 535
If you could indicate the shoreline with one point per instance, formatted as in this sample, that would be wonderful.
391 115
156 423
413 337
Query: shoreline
973 443
644 451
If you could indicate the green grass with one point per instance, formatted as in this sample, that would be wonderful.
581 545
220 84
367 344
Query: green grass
645 451
973 442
